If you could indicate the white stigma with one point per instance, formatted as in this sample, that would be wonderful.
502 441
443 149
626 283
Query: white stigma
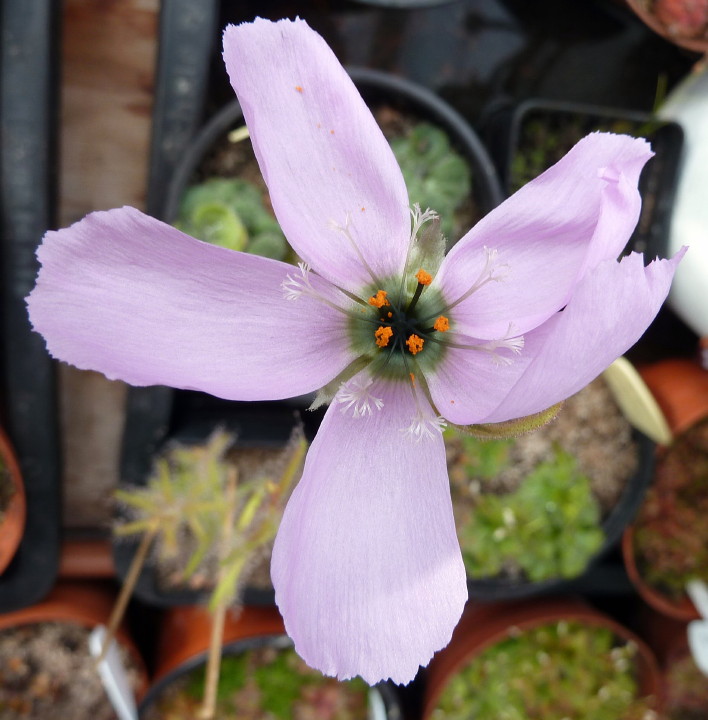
423 427
355 394
295 287
419 219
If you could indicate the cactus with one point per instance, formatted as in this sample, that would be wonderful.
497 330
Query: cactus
229 212
436 176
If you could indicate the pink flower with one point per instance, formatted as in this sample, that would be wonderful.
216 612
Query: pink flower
524 311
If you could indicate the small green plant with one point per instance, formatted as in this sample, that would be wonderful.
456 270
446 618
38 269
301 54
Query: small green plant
271 683
671 538
548 527
229 212
195 498
436 176
560 671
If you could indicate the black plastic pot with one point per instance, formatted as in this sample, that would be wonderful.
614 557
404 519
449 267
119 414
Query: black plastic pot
255 425
28 67
597 579
508 130
185 637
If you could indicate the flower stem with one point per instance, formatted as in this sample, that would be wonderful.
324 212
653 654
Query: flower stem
211 682
126 590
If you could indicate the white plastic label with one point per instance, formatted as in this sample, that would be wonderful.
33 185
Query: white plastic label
698 592
113 676
698 643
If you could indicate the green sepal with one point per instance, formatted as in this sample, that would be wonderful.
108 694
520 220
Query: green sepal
510 428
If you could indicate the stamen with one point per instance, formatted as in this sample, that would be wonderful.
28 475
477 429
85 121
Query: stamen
383 335
379 300
300 285
355 394
423 277
415 344
491 347
442 324
491 272
345 231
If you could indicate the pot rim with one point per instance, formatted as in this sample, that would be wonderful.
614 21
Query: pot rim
12 524
238 638
81 604
697 44
482 626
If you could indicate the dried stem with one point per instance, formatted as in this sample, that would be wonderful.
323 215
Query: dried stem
126 590
211 683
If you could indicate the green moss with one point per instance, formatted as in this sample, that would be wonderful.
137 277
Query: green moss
559 671
270 683
549 527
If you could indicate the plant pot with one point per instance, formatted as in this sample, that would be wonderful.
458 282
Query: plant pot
616 517
482 626
184 641
697 42
28 59
260 428
681 390
77 604
12 518
537 133
680 387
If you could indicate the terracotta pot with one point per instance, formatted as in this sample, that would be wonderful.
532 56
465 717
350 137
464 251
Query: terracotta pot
183 644
12 524
680 387
679 610
696 44
79 603
482 626
87 559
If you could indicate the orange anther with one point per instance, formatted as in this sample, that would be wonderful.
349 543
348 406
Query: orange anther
389 315
298 88
383 335
423 277
441 324
415 344
379 300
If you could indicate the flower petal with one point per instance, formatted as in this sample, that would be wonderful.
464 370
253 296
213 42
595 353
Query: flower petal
366 565
468 385
129 296
321 153
548 235
610 310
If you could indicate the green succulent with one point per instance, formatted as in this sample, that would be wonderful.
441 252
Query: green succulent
560 671
436 176
229 212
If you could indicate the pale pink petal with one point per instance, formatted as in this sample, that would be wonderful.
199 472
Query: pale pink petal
129 296
608 313
469 384
366 565
326 162
548 235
